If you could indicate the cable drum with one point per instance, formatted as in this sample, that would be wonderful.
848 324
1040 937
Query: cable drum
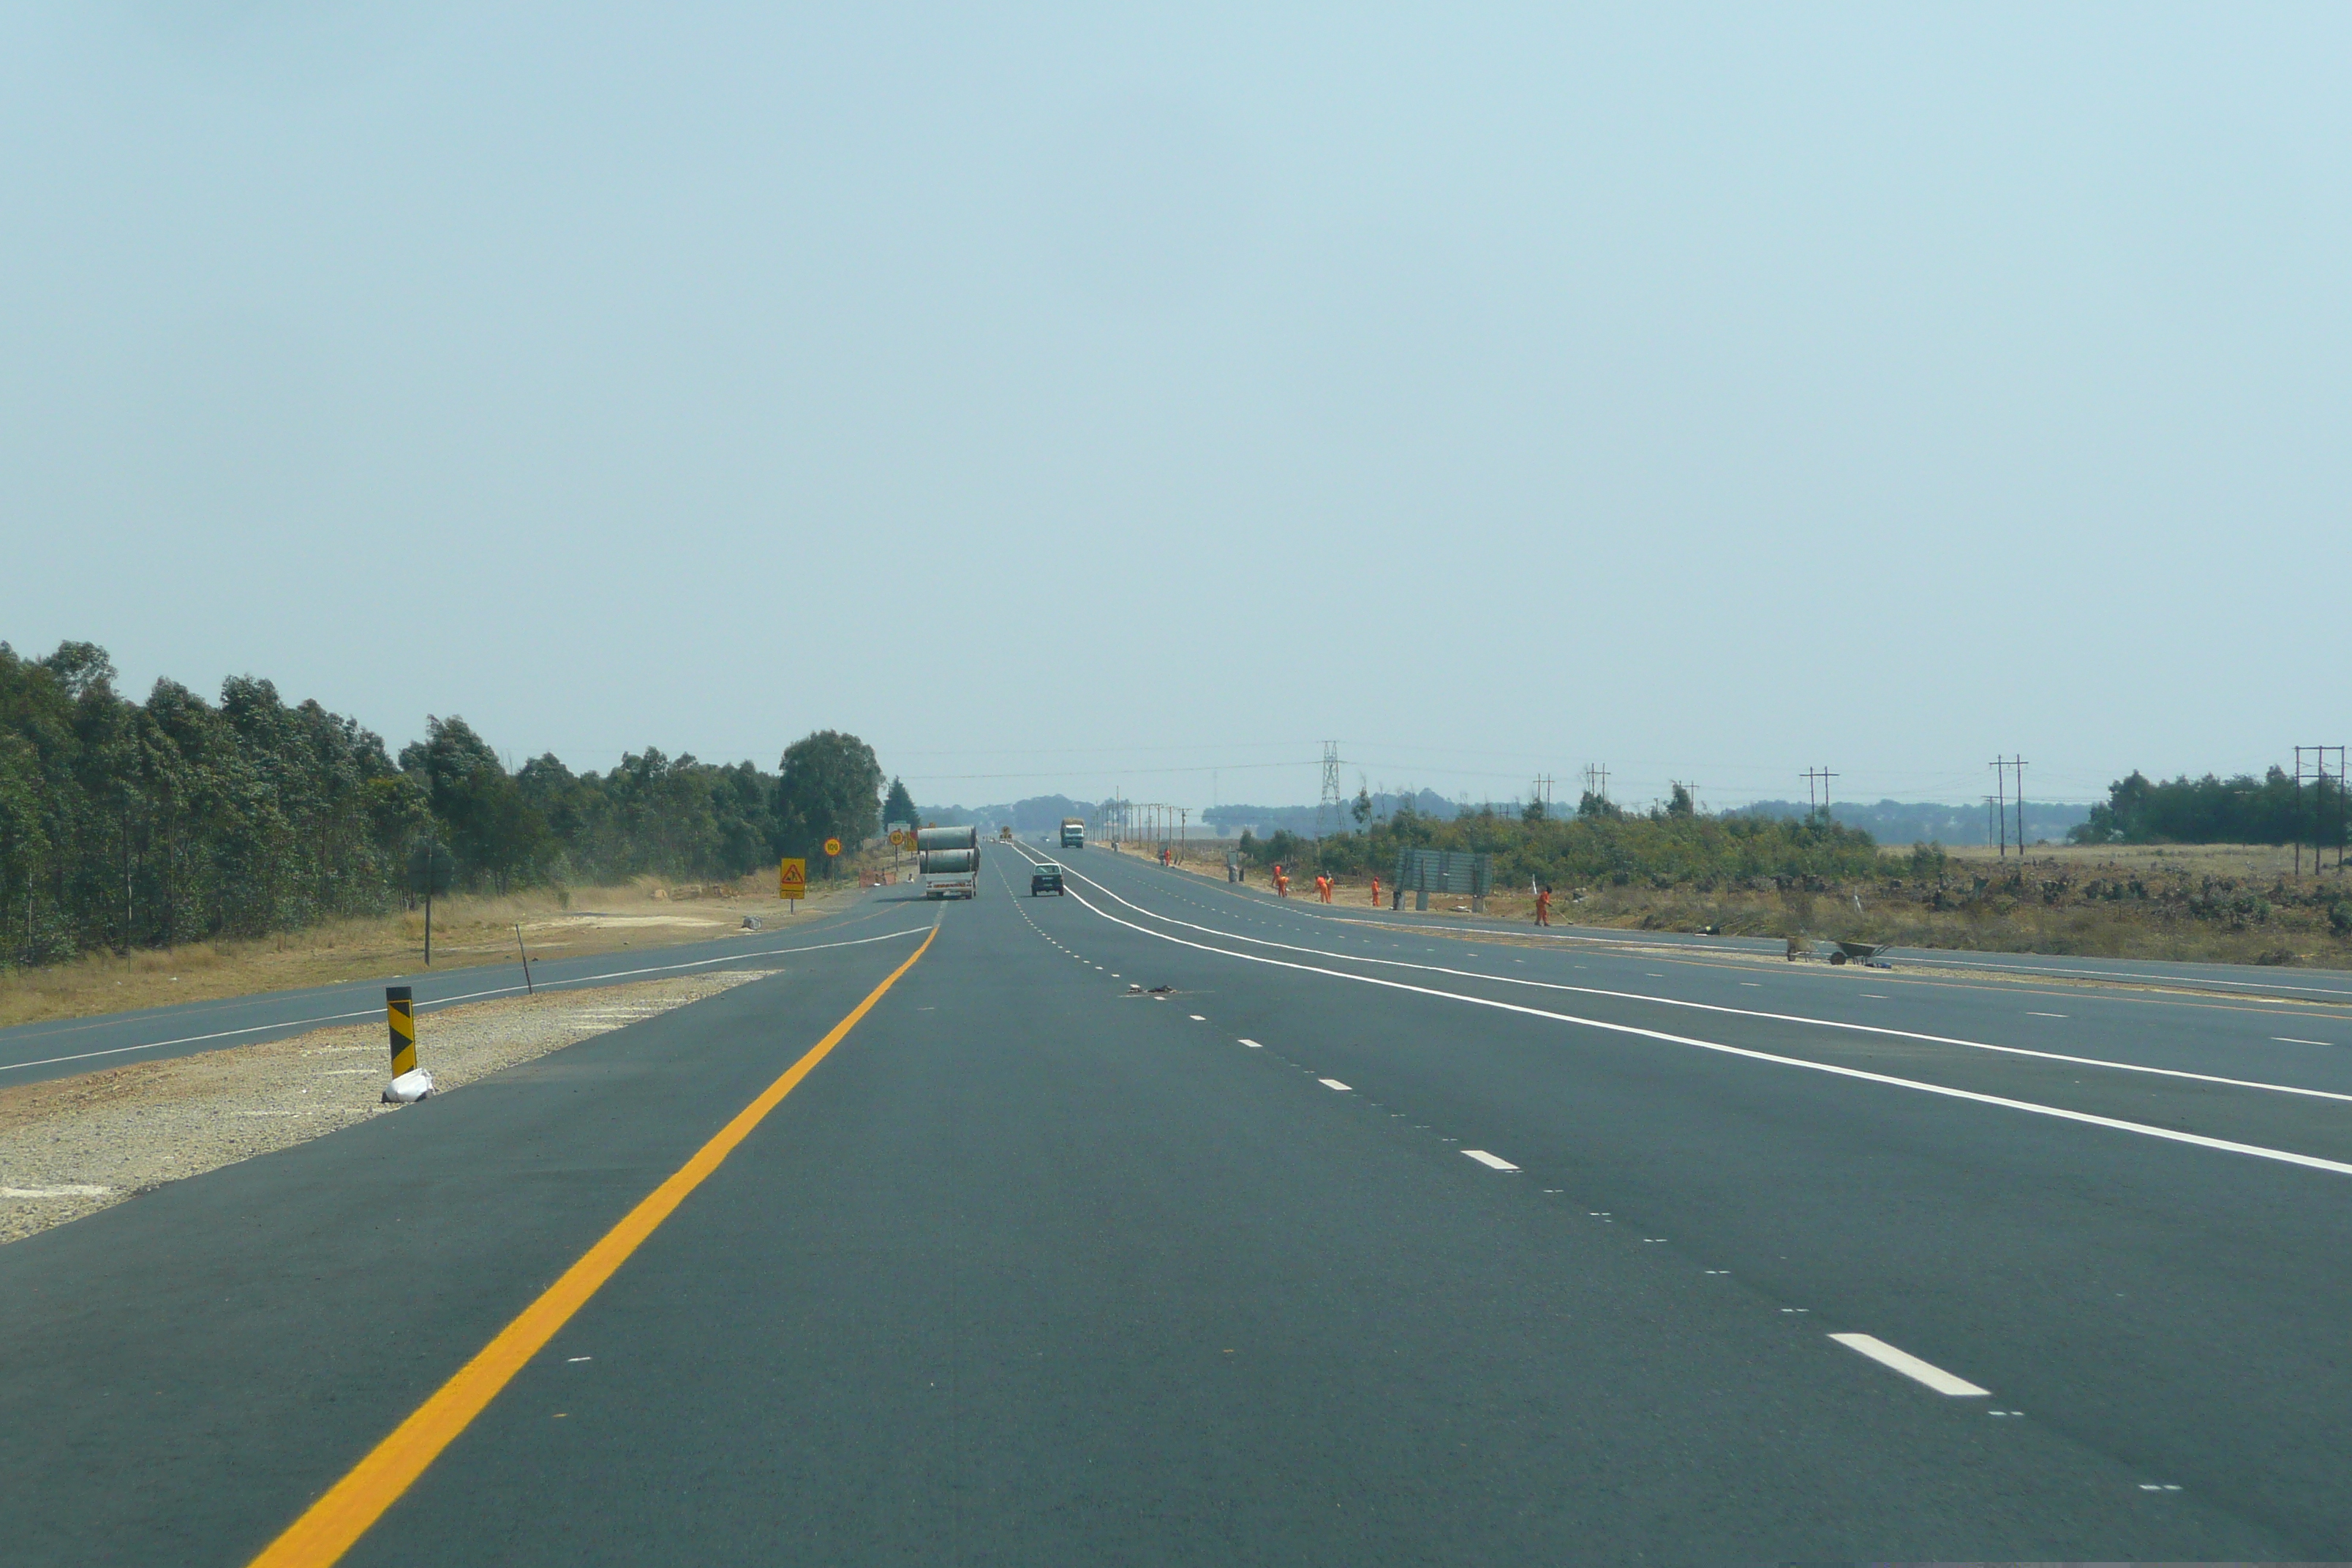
948 862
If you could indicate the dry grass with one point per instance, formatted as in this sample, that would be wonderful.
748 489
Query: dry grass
2221 903
466 931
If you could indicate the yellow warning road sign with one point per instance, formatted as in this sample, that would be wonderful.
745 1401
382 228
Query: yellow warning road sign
832 846
792 879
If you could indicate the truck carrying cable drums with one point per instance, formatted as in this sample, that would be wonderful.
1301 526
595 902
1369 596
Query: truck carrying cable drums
948 860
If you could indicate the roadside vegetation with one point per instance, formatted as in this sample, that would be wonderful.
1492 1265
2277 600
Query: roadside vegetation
129 827
1677 870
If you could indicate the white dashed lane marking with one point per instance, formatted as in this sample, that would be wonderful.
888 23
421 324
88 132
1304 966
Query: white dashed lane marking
1492 1162
1911 1367
1253 1045
1333 1083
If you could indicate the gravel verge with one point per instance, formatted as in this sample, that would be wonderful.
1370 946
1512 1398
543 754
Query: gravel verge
72 1146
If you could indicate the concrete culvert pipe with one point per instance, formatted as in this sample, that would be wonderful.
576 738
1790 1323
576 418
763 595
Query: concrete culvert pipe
949 862
928 839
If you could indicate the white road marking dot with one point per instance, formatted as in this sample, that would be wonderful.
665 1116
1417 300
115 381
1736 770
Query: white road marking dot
572 1358
1332 1083
1910 1366
1492 1162
2045 1015
1753 984
1196 1018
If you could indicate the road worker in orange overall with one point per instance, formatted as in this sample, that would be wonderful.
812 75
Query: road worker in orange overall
1323 886
1281 882
1543 907
1376 892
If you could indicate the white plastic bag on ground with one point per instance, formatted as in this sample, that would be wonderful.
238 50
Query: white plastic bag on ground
408 1088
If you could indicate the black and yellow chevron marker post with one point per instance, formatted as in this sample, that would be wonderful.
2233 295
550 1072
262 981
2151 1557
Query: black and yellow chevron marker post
407 1082
400 1012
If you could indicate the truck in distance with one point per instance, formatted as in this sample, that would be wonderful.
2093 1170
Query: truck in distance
1074 833
948 860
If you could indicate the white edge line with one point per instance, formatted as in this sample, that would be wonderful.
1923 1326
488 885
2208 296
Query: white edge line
1911 1367
2058 1113
1690 952
1741 1012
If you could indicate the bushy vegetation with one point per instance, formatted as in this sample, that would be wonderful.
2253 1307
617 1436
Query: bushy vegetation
1674 847
2210 810
125 824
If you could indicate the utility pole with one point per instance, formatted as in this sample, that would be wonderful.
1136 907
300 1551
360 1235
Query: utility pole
1541 791
2001 810
1821 776
2315 769
1327 810
1596 781
2002 767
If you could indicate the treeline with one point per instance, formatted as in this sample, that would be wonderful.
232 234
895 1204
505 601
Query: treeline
1674 845
1918 822
2211 810
127 823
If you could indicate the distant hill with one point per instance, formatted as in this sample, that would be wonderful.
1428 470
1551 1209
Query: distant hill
1038 814
1918 822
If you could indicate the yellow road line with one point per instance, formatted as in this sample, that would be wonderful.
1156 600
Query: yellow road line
330 1526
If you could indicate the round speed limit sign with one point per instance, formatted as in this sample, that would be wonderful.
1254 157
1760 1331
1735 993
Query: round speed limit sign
832 846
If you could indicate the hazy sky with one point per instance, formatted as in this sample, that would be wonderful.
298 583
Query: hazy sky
1065 400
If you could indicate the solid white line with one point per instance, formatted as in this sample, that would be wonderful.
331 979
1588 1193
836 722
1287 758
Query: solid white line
1493 1161
2290 1040
2058 1113
1911 1367
2031 1015
1333 1083
1886 1030
464 996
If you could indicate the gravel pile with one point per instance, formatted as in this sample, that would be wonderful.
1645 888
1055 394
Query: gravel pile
75 1145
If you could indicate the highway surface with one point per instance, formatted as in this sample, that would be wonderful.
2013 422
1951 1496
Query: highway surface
1357 1244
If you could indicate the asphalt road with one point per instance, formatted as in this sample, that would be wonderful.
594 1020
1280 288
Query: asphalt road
1357 1245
